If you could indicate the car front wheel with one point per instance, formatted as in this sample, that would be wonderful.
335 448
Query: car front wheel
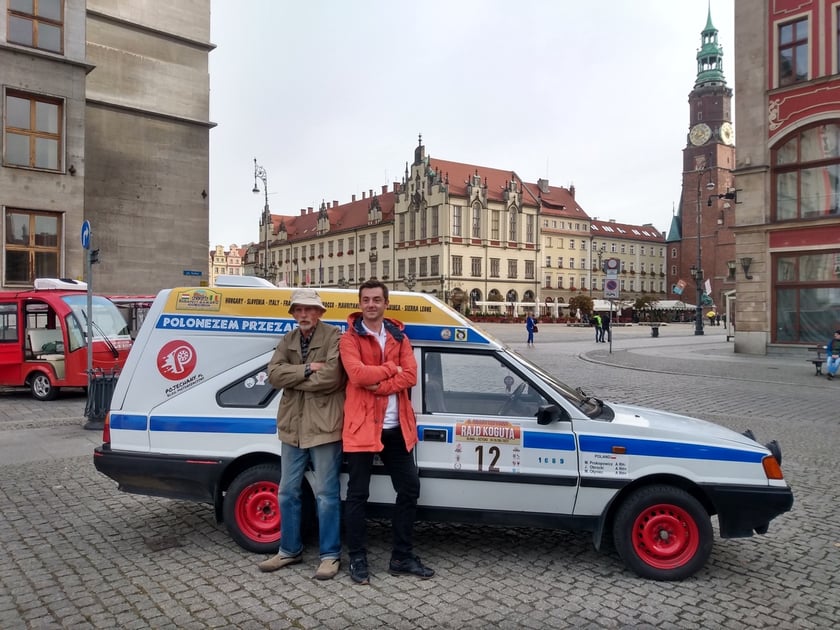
41 387
663 533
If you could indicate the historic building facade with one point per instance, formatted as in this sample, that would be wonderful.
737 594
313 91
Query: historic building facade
788 173
230 262
105 110
482 239
701 242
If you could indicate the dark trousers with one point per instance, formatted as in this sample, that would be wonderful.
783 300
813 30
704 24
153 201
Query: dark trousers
401 467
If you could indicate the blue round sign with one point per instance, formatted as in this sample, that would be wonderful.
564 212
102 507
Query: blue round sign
86 234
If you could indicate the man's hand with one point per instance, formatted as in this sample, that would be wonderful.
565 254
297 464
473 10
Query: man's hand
373 387
316 366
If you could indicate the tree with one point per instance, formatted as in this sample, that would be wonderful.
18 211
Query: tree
644 303
581 302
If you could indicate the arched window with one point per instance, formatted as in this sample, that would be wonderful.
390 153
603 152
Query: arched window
806 174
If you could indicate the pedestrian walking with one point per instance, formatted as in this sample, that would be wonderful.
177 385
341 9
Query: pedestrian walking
605 328
531 327
596 321
832 354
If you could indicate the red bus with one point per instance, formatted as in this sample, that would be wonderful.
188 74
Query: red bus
43 342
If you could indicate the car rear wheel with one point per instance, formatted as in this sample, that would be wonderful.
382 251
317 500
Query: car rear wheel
251 509
41 387
663 533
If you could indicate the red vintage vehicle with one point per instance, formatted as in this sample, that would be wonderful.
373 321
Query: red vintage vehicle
43 342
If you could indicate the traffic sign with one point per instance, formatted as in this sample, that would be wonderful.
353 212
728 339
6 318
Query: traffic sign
611 289
86 234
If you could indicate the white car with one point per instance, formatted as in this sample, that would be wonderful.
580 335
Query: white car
501 441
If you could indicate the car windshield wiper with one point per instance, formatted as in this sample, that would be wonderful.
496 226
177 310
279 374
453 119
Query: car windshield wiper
586 399
105 337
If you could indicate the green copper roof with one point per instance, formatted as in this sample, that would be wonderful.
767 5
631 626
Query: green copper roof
709 56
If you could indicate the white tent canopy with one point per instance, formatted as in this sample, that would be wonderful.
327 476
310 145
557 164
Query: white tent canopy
676 305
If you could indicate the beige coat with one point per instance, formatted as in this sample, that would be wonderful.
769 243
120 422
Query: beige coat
311 409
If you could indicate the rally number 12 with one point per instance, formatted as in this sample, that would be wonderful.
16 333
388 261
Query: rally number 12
494 451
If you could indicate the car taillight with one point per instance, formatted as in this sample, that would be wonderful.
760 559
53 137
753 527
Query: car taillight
106 429
772 468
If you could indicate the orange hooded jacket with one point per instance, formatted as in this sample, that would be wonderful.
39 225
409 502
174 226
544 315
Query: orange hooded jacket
364 363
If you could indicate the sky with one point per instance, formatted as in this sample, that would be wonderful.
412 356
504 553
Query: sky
330 95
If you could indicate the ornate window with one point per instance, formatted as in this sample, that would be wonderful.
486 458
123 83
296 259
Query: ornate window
806 174
793 52
807 295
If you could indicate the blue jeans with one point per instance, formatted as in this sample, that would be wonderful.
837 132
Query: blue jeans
399 463
832 365
326 464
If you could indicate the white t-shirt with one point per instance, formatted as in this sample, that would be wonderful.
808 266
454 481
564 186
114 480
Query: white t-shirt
392 411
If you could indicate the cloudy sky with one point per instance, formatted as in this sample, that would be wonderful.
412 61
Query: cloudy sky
330 95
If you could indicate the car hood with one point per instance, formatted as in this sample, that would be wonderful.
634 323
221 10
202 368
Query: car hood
676 425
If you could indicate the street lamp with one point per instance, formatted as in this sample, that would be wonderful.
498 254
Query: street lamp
259 173
697 271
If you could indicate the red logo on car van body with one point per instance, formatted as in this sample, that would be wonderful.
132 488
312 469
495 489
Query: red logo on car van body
176 360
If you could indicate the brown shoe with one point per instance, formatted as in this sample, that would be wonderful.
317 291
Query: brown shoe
278 562
328 569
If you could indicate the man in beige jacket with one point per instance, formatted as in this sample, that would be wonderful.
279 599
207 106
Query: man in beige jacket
307 367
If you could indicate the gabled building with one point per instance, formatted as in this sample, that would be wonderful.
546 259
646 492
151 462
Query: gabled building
788 172
229 262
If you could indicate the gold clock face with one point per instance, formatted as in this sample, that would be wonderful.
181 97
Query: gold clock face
727 134
700 134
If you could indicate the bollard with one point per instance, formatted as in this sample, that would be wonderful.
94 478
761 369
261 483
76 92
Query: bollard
100 391
654 330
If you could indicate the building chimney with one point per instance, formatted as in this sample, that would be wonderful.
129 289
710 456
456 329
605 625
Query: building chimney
572 190
542 184
309 210
384 188
353 198
335 204
303 212
363 194
396 187
370 192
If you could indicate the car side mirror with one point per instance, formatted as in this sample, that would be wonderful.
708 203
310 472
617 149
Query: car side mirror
547 414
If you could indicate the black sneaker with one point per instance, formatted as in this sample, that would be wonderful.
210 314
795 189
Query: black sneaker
410 566
830 377
359 571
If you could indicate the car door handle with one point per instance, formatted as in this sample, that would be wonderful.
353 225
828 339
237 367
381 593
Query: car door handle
434 435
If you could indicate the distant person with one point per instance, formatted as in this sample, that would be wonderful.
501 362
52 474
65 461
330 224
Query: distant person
605 329
711 316
832 353
531 327
596 321
306 365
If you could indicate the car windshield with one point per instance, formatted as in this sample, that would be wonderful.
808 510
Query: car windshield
107 320
591 406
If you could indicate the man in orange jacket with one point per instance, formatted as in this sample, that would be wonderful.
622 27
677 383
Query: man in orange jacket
378 419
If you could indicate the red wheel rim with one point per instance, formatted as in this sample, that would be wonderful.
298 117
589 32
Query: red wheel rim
258 513
665 536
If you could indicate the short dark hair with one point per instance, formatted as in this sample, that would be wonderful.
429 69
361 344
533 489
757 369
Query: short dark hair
374 284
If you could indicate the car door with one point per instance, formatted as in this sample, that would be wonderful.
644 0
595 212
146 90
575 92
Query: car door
480 446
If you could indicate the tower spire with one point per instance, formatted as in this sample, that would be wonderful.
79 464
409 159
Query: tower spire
709 56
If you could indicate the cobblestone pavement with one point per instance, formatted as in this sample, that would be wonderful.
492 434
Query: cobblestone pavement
76 553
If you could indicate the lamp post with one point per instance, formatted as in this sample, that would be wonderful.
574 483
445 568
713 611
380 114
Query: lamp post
697 271
259 173
410 280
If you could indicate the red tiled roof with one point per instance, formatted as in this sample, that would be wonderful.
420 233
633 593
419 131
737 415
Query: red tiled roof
557 201
459 175
607 229
342 218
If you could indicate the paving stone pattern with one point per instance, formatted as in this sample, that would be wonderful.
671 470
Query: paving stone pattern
76 553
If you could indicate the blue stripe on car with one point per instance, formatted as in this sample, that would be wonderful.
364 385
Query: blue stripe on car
549 441
656 448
